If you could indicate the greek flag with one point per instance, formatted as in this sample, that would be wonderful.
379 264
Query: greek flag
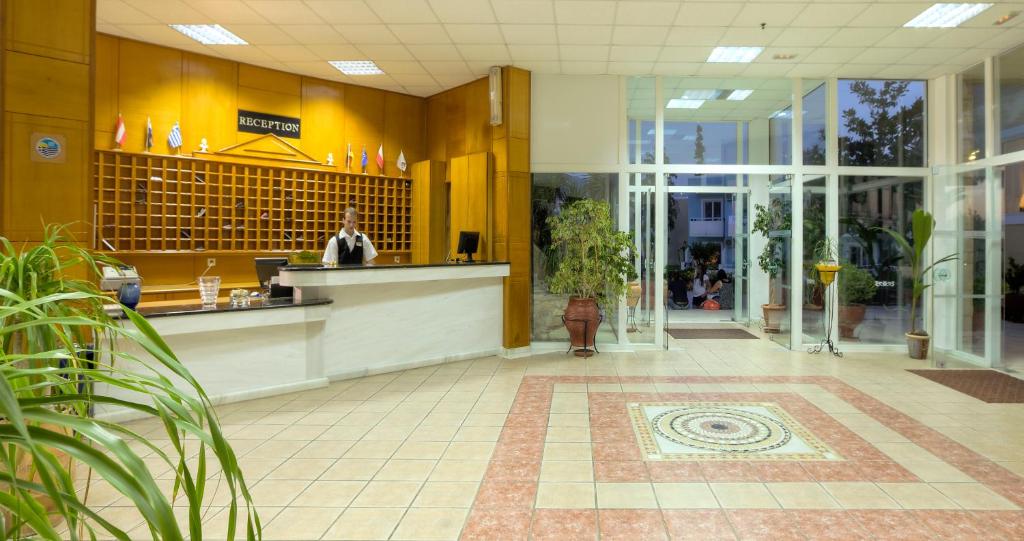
174 138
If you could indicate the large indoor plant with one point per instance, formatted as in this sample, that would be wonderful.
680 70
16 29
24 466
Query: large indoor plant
856 286
595 262
769 220
922 225
56 341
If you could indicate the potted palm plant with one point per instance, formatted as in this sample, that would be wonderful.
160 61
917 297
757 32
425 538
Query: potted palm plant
595 262
772 259
922 225
856 286
56 340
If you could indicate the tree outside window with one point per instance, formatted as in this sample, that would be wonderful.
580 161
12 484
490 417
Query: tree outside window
881 123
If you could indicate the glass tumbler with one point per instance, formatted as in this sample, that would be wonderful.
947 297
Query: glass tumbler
209 288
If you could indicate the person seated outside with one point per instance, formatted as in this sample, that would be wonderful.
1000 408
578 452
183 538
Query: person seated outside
721 278
700 284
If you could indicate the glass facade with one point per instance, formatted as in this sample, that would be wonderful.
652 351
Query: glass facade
881 123
971 112
1010 81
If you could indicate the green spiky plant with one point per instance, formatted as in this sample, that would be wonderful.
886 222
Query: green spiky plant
50 314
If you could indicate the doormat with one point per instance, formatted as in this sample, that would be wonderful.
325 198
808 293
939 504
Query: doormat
710 334
985 385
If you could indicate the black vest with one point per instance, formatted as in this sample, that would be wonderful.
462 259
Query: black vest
349 257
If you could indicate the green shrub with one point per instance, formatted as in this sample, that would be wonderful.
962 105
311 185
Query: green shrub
856 285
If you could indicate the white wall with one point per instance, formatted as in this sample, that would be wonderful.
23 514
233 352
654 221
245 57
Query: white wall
574 120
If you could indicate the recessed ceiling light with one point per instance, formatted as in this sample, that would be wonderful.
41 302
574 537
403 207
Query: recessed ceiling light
783 56
1002 20
694 94
734 54
946 15
678 103
738 95
209 34
357 67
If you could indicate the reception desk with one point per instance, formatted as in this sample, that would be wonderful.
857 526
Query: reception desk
385 318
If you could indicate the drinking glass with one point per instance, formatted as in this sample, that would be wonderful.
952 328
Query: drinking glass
209 288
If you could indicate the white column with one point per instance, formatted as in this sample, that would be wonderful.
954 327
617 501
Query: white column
758 279
660 218
796 260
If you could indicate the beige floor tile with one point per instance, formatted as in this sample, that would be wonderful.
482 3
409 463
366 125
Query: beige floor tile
387 494
905 452
405 470
324 449
485 419
857 495
301 468
974 496
433 433
917 496
277 492
301 523
554 471
569 419
568 434
931 471
469 450
459 470
328 494
604 388
436 524
361 419
478 433
444 419
566 495
570 403
373 449
300 432
685 496
743 496
344 433
568 451
276 449
390 432
437 494
626 496
801 496
421 450
570 388
353 469
365 524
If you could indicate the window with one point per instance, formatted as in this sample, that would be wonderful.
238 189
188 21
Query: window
882 123
1010 77
972 113
640 117
713 210
814 123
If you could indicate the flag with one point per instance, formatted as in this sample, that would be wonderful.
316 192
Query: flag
149 134
380 157
174 138
121 133
401 161
349 157
364 158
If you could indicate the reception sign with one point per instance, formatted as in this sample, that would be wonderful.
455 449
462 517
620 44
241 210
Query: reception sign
263 123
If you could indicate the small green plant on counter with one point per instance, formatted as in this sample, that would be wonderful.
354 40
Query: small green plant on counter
595 260
304 257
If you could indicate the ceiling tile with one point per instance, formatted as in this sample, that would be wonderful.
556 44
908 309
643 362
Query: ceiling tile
707 13
312 34
585 12
969 37
646 13
118 12
343 11
540 66
590 53
694 35
479 68
888 14
262 34
634 53
529 34
584 68
531 53
450 80
423 91
747 37
403 11
460 11
721 69
639 35
406 79
285 11
767 70
676 68
316 69
584 35
420 34
931 55
812 70
524 11
903 71
832 55
768 56
290 53
168 11
970 57
772 14
684 54
225 12
857 37
630 68
803 37
401 67
436 52
911 37
880 55
494 54
437 68
336 51
366 33
475 33
385 52
828 15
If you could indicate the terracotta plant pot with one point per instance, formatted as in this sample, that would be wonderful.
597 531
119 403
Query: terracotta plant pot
850 316
773 314
581 320
917 345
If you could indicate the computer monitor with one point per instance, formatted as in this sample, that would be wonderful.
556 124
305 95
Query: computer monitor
266 269
468 243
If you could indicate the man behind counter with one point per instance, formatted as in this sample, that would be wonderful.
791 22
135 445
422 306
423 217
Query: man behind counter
349 247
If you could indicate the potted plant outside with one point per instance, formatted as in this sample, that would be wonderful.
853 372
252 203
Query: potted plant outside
922 225
56 342
772 260
1014 299
856 286
595 263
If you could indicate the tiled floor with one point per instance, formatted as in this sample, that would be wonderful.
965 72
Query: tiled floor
544 448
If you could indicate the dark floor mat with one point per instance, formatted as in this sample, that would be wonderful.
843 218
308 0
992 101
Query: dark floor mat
710 334
985 385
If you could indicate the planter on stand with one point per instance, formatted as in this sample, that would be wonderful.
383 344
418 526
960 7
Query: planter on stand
581 319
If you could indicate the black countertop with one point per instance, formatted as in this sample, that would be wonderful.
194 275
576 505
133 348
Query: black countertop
221 307
395 266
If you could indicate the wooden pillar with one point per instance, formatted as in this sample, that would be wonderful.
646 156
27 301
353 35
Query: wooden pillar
511 214
428 212
46 71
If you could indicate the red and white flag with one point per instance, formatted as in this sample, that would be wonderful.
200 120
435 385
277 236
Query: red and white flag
380 157
120 133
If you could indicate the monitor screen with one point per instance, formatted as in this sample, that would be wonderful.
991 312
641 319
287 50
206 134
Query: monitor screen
468 243
266 268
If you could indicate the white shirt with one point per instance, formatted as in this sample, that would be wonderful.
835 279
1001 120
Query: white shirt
698 285
331 253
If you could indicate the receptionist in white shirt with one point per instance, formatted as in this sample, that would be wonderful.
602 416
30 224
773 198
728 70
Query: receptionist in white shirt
349 247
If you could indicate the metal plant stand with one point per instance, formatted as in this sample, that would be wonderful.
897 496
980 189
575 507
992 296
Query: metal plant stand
828 315
583 351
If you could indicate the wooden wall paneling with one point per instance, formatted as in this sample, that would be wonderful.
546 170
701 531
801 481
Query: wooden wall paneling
149 85
428 212
516 99
105 89
50 28
515 142
403 130
323 119
454 129
46 87
478 203
209 103
268 91
436 126
365 125
477 117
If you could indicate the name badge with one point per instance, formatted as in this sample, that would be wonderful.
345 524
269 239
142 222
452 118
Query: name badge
359 243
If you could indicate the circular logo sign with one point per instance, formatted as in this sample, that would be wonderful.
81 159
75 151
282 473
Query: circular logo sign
48 147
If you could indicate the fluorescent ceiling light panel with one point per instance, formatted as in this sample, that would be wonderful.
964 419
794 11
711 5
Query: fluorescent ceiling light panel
677 103
734 54
946 15
209 34
356 67
739 95
705 94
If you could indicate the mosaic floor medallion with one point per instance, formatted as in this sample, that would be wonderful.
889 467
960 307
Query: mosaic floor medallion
723 431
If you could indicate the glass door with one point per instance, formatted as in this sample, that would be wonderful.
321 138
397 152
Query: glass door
739 226
641 311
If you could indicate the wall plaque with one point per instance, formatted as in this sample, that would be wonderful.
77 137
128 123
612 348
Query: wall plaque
48 148
263 123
